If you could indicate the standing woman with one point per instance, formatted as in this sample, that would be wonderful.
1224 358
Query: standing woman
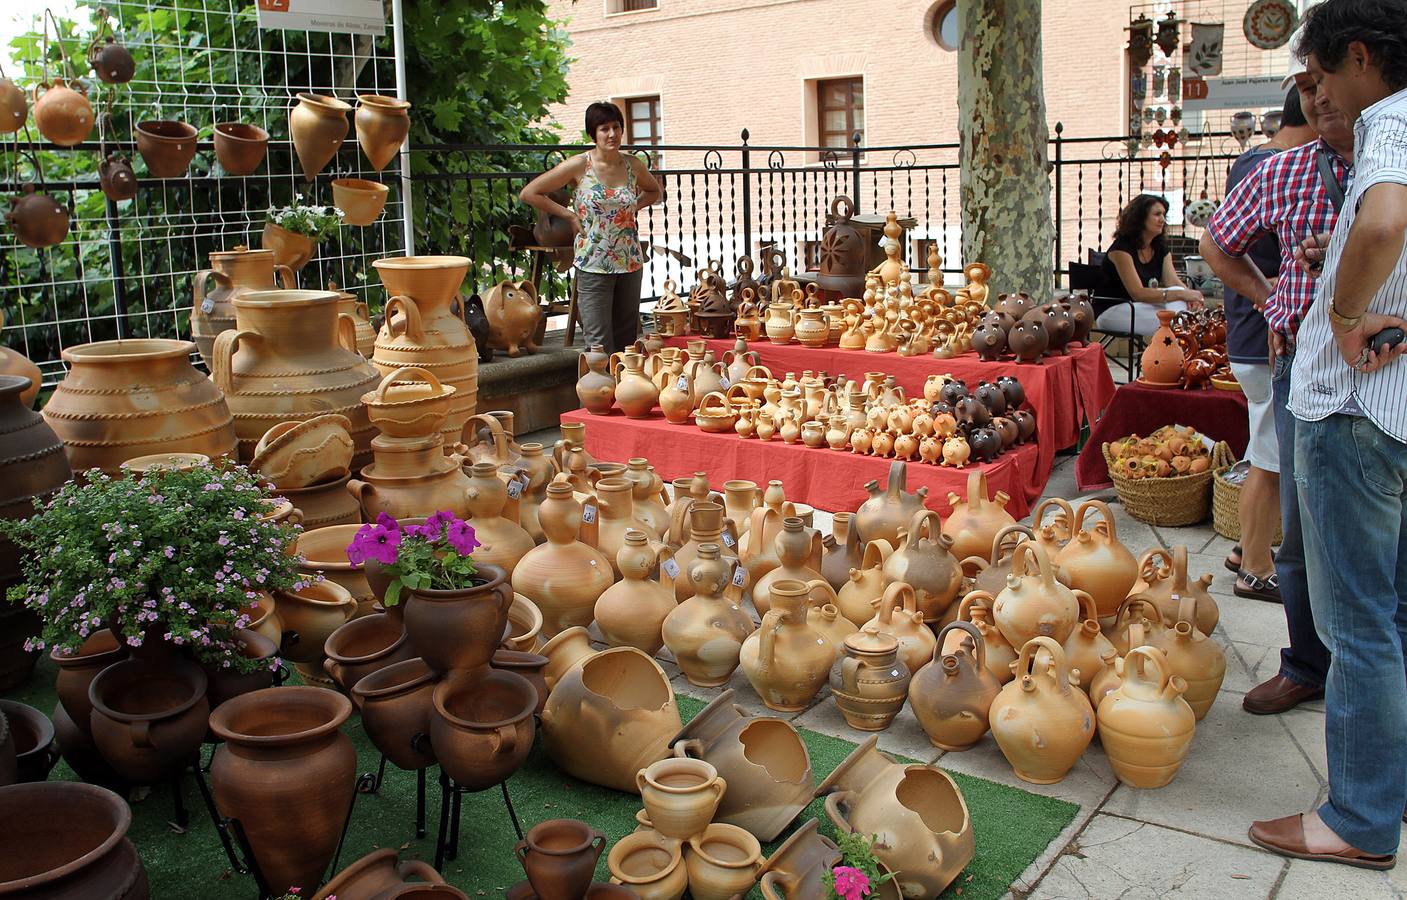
608 189
1138 258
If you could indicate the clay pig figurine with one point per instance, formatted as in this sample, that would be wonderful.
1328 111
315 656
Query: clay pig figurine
478 322
513 314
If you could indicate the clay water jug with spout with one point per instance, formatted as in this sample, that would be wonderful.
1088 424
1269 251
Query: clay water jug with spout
1095 560
889 510
785 659
567 575
799 550
1197 658
858 599
1042 720
976 608
924 562
974 521
1033 604
1172 579
632 611
707 630
1145 725
952 693
899 616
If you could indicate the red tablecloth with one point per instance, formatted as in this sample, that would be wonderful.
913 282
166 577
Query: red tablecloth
1064 392
1135 409
832 480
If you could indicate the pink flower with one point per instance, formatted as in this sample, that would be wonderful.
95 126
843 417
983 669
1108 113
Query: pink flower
386 521
374 542
851 883
461 537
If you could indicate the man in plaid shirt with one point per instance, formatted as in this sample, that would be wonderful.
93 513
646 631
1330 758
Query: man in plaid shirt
1287 197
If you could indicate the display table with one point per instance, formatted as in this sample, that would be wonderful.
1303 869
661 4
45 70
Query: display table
1064 392
1135 409
831 480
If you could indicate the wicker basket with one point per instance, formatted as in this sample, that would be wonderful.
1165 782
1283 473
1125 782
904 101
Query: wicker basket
1176 500
1226 503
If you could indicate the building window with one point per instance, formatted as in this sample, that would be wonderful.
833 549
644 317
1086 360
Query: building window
642 123
840 103
621 6
944 22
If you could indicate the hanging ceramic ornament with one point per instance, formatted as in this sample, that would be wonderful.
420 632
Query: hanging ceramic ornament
1148 115
1270 122
1199 211
1138 87
1174 85
1176 115
1140 41
1202 55
1160 75
1160 115
1243 125
1168 33
1269 23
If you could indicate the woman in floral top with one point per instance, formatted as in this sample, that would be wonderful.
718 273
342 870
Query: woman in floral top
608 189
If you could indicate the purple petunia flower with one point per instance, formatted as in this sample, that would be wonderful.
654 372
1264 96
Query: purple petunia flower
461 537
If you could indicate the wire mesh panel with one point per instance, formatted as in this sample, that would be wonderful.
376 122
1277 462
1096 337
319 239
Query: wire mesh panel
125 268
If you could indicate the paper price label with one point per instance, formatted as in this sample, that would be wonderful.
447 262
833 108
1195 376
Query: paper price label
682 384
207 306
723 380
588 514
740 576
670 568
728 540
515 489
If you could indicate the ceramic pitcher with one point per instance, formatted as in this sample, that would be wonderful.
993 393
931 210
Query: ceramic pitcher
924 561
1034 604
1042 721
1198 659
1145 725
952 694
1095 560
786 660
234 273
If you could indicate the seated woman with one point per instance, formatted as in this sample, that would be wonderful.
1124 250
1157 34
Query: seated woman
1136 259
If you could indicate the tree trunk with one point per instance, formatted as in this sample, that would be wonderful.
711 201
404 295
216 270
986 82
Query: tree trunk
1006 220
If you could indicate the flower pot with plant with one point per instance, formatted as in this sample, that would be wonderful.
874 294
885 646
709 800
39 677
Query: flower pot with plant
294 231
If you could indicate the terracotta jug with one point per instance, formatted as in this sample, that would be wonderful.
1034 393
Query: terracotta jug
1055 534
1175 581
1033 604
234 273
704 524
349 305
410 478
459 629
924 561
382 125
1162 360
841 551
482 727
763 760
559 857
758 548
740 498
785 659
292 354
975 521
567 575
88 856
62 112
899 616
870 683
278 743
1042 721
780 323
615 506
636 395
989 573
116 178
395 704
148 716
14 107
917 815
705 632
649 494
38 221
1145 725
610 717
494 515
1086 646
1198 659
888 511
378 876
799 551
859 598
976 608
1095 560
1136 623
631 612
130 398
650 865
723 861
425 327
952 693
595 387
317 125
680 795
363 646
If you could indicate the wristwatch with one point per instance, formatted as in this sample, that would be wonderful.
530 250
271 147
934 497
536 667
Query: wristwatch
1342 320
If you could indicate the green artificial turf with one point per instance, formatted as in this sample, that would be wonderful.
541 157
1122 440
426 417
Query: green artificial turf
1012 826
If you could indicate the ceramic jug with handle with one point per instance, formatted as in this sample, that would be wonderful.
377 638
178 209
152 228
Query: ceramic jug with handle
1033 603
1145 725
1197 658
952 693
974 521
786 660
1095 560
924 561
1042 720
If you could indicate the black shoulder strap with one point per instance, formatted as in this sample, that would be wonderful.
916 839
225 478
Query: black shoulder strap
1327 177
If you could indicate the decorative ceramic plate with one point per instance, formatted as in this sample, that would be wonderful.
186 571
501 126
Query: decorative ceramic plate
1226 384
1269 23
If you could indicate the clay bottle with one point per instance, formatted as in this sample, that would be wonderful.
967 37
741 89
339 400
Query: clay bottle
841 550
565 576
703 525
740 498
1096 562
1055 534
858 599
595 387
898 615
1145 725
799 550
786 660
615 502
705 632
540 470
1041 720
976 608
494 515
636 395
1034 604
1162 360
951 694
1136 623
1191 654
975 521
648 492
989 571
632 611
924 562
1176 583
677 399
1086 646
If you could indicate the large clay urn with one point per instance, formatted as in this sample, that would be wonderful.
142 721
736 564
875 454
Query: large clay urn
148 717
786 660
67 840
888 511
1096 561
610 717
324 552
382 126
705 633
1145 725
395 707
1042 720
288 774
567 575
482 726
917 815
234 273
62 112
1163 358
77 671
459 629
317 124
975 520
379 876
425 327
632 611
123 399
1033 603
291 357
951 695
925 562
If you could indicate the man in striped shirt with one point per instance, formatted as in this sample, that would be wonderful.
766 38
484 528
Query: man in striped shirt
1350 400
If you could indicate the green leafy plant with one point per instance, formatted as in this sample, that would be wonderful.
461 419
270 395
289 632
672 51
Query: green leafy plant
432 556
857 876
316 222
165 555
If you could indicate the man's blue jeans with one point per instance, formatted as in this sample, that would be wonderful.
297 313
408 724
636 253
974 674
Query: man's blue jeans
1352 481
1305 661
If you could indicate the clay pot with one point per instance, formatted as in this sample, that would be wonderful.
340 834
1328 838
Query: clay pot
917 816
292 354
705 633
722 861
1163 359
325 505
870 683
924 561
411 478
636 394
14 107
166 147
799 552
235 273
62 112
900 617
148 718
64 839
482 726
974 521
349 305
566 576
324 551
1199 660
631 612
1145 725
240 147
680 795
36 219
783 659
395 704
1042 721
650 865
287 773
610 717
1034 604
360 200
313 613
382 126
422 329
116 178
459 629
226 684
799 865
859 598
886 512
565 652
559 857
703 524
595 387
289 248
951 695
1176 583
1095 560
1087 645
615 503
32 737
363 646
77 671
317 125
378 876
531 666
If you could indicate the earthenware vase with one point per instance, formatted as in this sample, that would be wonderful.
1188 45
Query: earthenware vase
1042 720
382 125
1145 725
66 839
317 125
481 726
785 659
842 550
62 112
559 857
234 273
631 612
680 795
567 575
870 683
703 524
595 387
1163 358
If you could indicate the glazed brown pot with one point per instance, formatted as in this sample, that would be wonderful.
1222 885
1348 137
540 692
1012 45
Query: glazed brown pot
116 178
130 398
378 876
318 125
38 221
167 147
235 273
33 737
482 728
225 684
559 856
62 112
360 200
459 629
382 126
395 705
67 840
149 717
290 248
363 646
77 671
240 147
288 775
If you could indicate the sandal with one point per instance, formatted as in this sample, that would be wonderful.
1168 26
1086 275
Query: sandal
1254 587
1236 565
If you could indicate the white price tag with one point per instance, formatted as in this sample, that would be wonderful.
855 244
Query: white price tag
588 513
728 540
670 568
515 489
207 306
740 576
682 384
723 380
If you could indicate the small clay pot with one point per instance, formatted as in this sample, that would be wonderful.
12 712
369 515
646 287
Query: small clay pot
680 795
116 178
649 864
382 126
482 729
111 62
149 717
240 147
360 200
62 112
395 705
226 684
318 125
723 861
559 856
290 248
363 646
77 671
459 629
32 735
167 147
64 839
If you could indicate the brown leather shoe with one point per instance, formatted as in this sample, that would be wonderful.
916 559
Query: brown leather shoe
1277 695
1285 836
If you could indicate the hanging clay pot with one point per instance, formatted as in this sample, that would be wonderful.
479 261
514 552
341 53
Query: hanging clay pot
1198 659
786 660
148 717
240 147
378 876
167 147
886 512
360 200
859 598
1042 721
62 112
288 774
763 760
111 62
116 178
567 575
482 727
924 561
870 683
14 107
899 616
610 717
705 632
37 220
1145 725
631 612
290 249
1034 604
951 694
974 521
1095 560
595 387
64 839
317 125
382 126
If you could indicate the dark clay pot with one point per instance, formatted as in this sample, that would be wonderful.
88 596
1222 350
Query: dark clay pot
952 392
65 841
482 728
32 735
1028 340
78 751
459 630
76 673
378 876
8 762
37 219
992 397
116 178
989 341
972 412
478 321
363 646
559 856
148 717
17 625
226 684
395 705
1011 387
985 443
288 774
529 665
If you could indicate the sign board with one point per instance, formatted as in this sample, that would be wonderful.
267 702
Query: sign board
1242 92
350 16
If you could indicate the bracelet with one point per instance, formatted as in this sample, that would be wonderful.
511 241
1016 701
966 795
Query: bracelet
1342 320
1165 295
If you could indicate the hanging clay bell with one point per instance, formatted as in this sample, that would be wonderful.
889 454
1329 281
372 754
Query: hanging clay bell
1145 725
